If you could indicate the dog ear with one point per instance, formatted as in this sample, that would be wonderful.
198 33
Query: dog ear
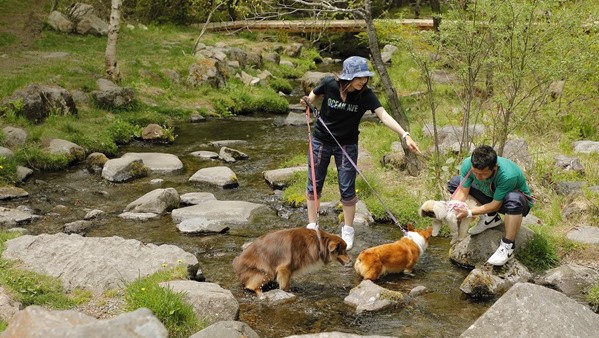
410 227
334 244
426 209
440 209
428 232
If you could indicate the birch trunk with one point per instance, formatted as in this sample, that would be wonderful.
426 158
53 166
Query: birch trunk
112 67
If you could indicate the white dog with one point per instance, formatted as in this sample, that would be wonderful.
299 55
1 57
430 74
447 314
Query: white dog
446 211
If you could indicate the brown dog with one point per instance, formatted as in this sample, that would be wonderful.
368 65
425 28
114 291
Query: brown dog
281 254
396 257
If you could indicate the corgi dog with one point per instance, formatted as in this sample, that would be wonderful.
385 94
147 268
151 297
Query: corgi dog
281 254
446 212
396 257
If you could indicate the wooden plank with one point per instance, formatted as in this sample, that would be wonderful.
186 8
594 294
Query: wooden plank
304 26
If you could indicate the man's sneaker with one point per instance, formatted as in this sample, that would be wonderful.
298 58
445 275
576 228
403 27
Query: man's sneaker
347 234
485 222
503 254
312 226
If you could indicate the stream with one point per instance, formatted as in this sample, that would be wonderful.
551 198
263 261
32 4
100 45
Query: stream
66 196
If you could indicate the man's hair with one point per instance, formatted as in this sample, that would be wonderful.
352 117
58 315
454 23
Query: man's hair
484 157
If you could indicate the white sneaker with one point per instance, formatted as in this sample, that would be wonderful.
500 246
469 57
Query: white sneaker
504 253
347 234
485 222
312 226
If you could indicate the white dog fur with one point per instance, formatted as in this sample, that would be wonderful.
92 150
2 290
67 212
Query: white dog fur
445 212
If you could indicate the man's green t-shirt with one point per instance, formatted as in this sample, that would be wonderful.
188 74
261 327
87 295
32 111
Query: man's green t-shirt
509 177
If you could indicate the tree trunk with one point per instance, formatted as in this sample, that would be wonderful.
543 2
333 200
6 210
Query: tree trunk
436 9
112 67
413 165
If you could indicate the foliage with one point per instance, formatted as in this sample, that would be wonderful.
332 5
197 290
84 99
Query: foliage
593 297
540 253
280 85
8 170
168 306
3 325
36 158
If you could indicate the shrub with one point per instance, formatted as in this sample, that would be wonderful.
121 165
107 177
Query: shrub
122 132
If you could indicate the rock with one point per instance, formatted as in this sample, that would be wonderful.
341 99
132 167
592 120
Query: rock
158 163
209 300
280 178
94 263
529 310
227 329
35 321
368 296
220 176
156 201
487 281
584 234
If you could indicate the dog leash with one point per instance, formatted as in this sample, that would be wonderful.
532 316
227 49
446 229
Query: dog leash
313 175
311 107
461 183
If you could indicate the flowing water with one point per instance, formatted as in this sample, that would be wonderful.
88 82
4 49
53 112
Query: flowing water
66 196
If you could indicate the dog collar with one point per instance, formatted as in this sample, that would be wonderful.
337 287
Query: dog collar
418 239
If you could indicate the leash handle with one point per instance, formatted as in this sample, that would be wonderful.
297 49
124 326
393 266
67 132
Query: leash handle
310 106
311 157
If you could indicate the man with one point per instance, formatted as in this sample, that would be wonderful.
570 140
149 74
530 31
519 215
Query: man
499 185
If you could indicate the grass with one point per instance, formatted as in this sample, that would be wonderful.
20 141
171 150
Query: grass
168 306
30 288
593 297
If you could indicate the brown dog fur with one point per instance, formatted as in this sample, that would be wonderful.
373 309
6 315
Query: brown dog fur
396 257
281 254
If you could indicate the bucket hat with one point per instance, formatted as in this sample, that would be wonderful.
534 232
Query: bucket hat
355 66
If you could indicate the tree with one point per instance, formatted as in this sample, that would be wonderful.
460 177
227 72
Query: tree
513 43
112 67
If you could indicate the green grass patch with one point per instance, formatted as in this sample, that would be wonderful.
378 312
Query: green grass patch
540 252
168 306
593 297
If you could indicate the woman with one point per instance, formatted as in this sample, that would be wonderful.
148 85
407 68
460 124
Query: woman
345 100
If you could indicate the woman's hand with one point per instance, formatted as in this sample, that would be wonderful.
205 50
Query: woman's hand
412 145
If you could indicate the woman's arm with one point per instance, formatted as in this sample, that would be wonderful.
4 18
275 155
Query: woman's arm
390 122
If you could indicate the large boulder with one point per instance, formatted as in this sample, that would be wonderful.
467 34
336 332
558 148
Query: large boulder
529 310
36 102
35 322
94 263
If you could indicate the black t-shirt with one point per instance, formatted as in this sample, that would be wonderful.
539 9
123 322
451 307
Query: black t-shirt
342 118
